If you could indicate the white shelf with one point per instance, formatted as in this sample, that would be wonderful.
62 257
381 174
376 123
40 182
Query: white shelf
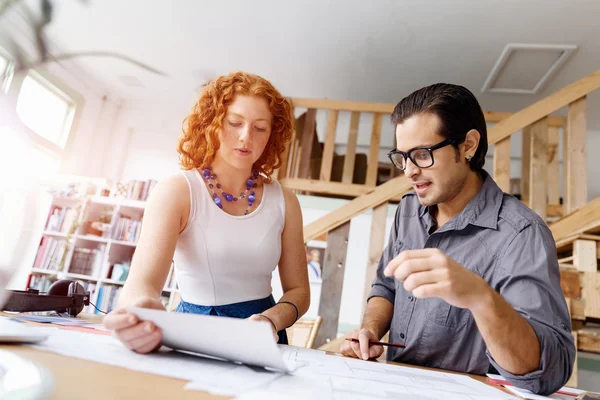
80 276
92 238
118 202
113 282
123 243
43 271
55 234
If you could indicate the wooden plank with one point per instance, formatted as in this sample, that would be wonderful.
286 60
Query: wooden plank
306 143
350 157
526 165
578 309
573 380
502 164
292 169
591 294
317 186
567 242
374 151
382 193
554 210
575 162
553 170
584 219
588 340
585 257
376 244
329 146
333 279
544 107
565 260
538 173
569 283
388 108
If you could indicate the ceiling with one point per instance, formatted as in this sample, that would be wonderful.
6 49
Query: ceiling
370 50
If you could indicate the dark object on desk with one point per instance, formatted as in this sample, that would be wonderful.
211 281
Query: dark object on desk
379 343
64 296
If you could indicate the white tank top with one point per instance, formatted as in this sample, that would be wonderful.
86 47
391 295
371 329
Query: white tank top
224 259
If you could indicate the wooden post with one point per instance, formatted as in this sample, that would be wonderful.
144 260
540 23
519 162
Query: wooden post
306 142
329 146
375 247
553 171
591 294
538 173
575 160
333 279
350 156
525 165
573 381
374 151
585 257
502 164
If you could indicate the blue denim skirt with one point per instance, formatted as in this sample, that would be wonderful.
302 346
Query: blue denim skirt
235 310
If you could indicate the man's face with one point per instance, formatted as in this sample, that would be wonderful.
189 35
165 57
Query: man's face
442 181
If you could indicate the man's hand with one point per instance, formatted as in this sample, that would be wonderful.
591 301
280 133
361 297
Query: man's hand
259 317
431 273
361 349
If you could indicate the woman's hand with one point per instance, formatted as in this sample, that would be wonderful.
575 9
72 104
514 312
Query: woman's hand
260 317
139 336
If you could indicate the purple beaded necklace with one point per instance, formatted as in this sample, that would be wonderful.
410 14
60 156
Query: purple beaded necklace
228 197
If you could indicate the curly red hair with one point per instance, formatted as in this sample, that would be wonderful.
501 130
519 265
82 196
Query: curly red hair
200 141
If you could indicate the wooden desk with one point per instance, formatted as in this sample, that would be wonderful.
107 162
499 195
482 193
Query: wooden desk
76 378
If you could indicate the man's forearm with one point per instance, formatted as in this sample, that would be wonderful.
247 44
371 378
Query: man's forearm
378 316
510 339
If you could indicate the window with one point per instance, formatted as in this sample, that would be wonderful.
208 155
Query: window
45 109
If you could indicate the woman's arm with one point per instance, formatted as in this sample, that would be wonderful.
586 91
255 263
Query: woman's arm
292 267
165 217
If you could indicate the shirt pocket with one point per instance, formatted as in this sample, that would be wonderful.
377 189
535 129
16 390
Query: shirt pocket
441 313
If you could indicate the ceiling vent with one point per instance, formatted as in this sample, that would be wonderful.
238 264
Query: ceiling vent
526 68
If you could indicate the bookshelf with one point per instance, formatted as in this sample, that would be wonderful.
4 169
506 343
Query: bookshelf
91 239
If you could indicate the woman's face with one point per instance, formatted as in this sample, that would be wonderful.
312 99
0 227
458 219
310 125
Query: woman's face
246 131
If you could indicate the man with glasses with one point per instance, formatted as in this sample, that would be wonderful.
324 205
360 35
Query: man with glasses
469 280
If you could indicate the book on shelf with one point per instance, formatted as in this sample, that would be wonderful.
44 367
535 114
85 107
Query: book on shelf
60 219
134 189
50 253
87 261
127 229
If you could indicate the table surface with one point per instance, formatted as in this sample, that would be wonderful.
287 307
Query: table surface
76 378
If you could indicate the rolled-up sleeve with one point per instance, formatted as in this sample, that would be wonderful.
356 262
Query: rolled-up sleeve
382 285
528 278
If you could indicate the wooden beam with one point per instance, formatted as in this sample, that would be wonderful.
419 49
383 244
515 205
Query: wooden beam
333 279
569 283
575 162
567 242
337 188
544 107
588 340
502 164
374 151
350 157
554 210
380 194
579 221
553 170
591 294
538 173
577 309
585 257
376 244
388 108
526 165
329 146
306 143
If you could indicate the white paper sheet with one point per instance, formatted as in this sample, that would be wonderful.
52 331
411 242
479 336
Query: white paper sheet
332 377
249 342
569 393
108 350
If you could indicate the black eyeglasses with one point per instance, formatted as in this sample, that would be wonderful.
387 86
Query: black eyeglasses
422 157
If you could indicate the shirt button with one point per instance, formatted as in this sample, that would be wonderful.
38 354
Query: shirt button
402 336
410 298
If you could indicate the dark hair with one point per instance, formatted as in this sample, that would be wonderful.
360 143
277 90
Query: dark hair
458 111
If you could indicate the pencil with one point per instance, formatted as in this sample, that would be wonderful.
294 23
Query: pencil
379 343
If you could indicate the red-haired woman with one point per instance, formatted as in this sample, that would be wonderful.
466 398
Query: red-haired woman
223 219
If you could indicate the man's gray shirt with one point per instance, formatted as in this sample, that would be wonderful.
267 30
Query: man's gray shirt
508 245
